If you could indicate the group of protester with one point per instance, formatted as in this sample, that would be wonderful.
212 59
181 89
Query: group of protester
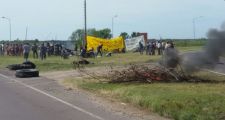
91 53
152 47
11 49
39 51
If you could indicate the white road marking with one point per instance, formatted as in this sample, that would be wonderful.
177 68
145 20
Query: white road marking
53 97
214 72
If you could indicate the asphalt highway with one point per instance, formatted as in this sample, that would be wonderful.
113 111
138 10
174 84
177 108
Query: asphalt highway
18 102
44 99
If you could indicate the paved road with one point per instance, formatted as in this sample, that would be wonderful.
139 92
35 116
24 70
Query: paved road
44 99
220 67
17 102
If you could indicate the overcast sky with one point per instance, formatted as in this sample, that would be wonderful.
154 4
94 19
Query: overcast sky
50 19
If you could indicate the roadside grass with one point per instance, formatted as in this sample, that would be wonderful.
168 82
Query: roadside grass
190 49
179 101
55 63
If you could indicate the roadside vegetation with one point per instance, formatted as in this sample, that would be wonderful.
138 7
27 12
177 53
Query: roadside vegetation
56 63
179 101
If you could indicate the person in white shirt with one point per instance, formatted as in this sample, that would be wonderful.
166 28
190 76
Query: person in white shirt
159 47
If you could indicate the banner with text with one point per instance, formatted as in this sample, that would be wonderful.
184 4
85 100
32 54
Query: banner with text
133 43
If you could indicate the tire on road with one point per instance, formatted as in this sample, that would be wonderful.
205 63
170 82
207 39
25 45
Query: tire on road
27 73
19 66
33 66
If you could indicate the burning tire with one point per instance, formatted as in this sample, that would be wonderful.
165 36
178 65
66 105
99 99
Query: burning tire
27 73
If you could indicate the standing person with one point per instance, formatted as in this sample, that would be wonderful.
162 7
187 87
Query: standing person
17 50
35 51
168 45
147 48
20 50
159 48
83 52
99 50
1 50
43 51
153 48
163 47
26 51
141 48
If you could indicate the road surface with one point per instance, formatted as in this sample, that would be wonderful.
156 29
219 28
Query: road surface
17 102
220 67
44 99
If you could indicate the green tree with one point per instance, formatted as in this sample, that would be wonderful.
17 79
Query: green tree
125 35
78 35
134 34
104 33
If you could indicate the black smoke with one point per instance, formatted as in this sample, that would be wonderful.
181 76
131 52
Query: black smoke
211 54
170 58
207 58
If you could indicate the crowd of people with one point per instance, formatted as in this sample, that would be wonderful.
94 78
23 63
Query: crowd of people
39 51
153 48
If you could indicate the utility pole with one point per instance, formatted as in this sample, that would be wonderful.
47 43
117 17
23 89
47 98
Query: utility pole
85 24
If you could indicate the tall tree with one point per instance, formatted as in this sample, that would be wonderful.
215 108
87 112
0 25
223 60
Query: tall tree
78 35
125 35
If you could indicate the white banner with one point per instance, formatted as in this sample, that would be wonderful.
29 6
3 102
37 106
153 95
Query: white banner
133 43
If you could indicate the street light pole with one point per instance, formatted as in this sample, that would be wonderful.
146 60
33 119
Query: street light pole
194 25
26 33
113 24
10 32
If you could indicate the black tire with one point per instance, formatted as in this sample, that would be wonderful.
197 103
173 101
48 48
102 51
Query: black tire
33 66
27 73
19 66
13 66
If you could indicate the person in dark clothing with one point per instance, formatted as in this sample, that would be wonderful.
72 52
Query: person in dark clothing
147 48
43 51
83 52
99 50
26 50
35 51
141 48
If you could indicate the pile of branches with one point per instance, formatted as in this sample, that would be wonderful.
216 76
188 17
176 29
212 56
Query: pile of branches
140 74
146 74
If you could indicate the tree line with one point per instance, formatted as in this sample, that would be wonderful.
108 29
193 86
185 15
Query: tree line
78 35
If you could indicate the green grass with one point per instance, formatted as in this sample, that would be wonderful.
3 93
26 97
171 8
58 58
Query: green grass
51 63
190 49
180 101
57 63
190 43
